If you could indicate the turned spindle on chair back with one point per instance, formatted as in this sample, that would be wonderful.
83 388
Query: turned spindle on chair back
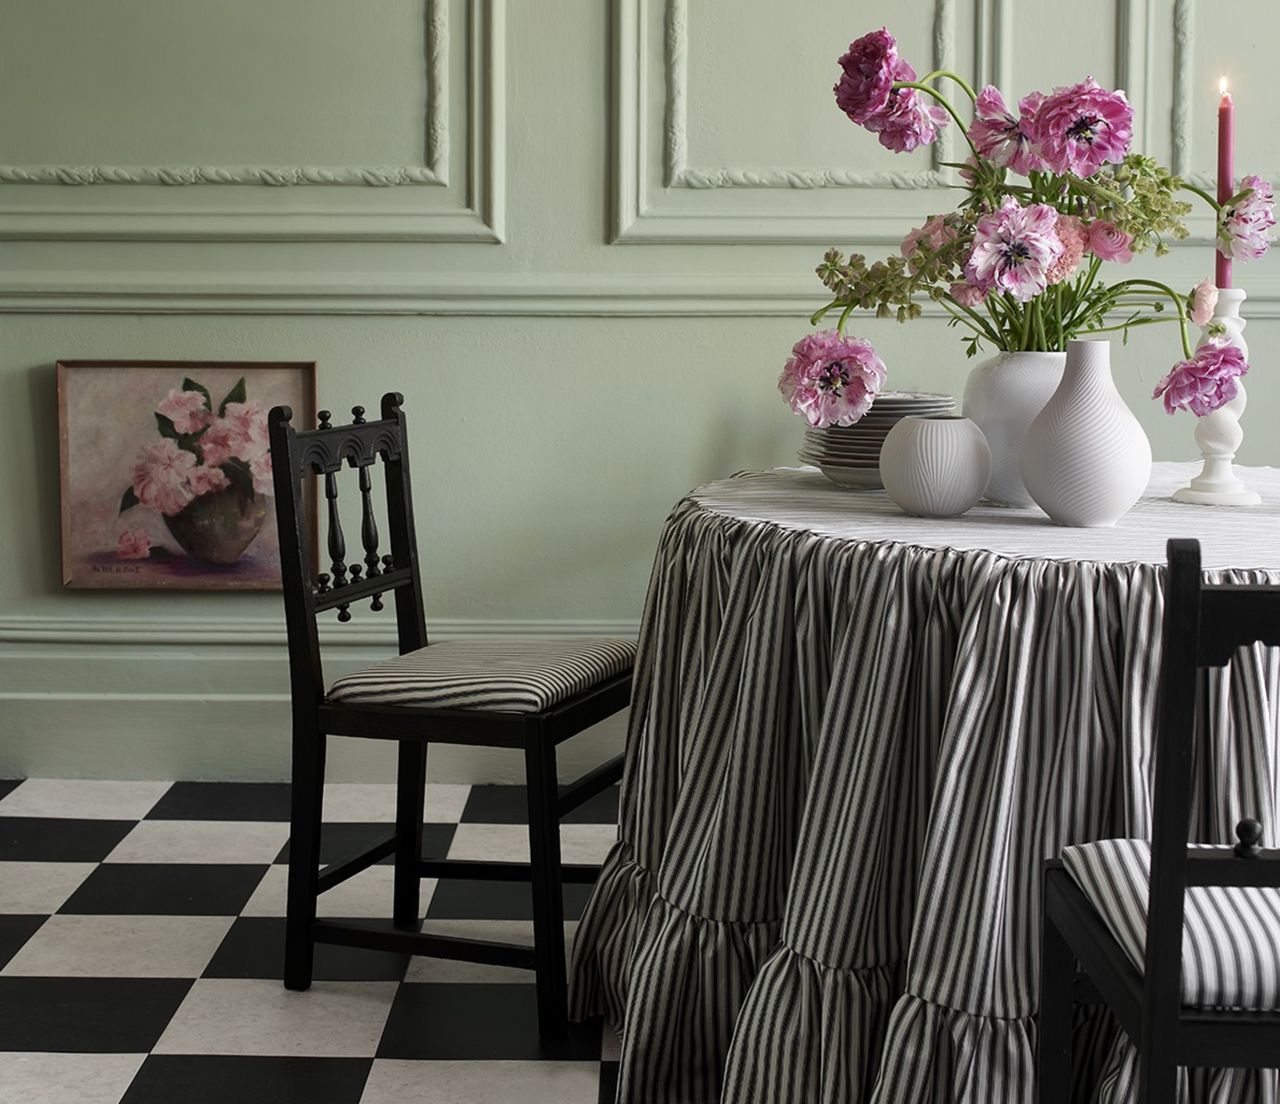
300 455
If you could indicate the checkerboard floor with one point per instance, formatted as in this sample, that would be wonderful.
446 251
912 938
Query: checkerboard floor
141 936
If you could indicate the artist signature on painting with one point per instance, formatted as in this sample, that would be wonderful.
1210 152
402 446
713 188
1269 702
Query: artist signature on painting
115 569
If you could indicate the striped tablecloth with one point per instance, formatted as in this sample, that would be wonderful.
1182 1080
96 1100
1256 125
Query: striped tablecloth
854 738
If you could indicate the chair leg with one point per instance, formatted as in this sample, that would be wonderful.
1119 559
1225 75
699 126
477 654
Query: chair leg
410 781
306 814
1057 996
1158 1072
548 900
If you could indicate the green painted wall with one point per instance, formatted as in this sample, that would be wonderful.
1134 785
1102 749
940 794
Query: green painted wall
578 342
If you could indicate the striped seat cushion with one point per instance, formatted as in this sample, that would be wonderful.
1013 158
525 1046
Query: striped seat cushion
1230 936
505 676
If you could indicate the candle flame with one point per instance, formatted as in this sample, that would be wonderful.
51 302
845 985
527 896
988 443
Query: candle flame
1222 86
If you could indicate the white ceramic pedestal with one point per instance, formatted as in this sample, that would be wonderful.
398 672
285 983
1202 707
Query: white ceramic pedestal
1219 434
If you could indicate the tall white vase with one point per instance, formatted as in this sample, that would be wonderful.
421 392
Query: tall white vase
1085 459
1002 397
1218 435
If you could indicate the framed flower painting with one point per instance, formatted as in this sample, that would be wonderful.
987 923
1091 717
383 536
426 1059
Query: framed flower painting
166 473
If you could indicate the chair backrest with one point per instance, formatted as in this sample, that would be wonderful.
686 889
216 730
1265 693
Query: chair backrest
1204 626
299 456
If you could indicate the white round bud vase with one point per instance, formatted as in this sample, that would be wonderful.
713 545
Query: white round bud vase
935 467
1085 459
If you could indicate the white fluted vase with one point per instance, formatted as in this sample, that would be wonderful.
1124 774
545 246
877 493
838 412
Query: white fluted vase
1085 459
935 466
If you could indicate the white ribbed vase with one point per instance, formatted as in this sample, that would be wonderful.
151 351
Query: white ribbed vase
1085 459
935 467
1003 395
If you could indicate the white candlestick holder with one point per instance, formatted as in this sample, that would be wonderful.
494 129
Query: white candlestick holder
1219 434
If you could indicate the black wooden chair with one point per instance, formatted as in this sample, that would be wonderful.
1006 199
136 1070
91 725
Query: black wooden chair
524 694
1182 943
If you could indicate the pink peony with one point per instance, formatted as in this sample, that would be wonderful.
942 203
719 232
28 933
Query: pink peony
134 544
1081 128
160 477
260 469
186 410
1110 244
1243 230
1205 382
206 480
830 379
1204 301
967 295
869 68
1014 248
1074 236
1002 138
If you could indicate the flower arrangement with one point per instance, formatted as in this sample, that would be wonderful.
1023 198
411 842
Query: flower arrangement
1054 194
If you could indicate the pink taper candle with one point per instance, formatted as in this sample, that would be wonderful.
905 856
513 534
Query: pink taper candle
1226 172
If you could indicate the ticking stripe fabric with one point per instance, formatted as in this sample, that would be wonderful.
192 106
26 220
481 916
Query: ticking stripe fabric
504 676
854 739
1230 938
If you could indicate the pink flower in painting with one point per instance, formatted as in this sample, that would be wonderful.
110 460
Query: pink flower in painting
1203 302
134 544
218 443
248 422
260 469
160 477
967 295
186 410
1244 230
1074 236
1205 382
1014 248
868 75
205 480
1110 243
1080 128
1001 137
830 379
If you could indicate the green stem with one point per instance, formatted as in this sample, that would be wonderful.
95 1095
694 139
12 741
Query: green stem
1178 304
968 88
944 102
821 313
978 322
844 317
1130 325
1203 195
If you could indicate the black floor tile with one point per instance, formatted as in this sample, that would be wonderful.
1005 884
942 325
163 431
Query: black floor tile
179 1079
14 932
223 801
166 889
608 1083
47 839
509 805
8 785
87 1015
478 1023
254 948
342 841
462 899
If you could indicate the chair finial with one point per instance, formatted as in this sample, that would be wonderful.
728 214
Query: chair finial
324 417
357 415
1249 833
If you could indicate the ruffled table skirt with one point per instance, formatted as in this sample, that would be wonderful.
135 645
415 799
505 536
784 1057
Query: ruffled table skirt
855 737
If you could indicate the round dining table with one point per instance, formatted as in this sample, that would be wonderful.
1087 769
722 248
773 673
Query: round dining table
855 737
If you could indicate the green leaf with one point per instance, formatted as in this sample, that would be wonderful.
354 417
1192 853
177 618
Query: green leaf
235 395
166 427
191 385
237 471
128 500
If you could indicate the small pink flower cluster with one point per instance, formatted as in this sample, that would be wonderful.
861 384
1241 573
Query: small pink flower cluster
901 118
1244 230
831 379
1203 383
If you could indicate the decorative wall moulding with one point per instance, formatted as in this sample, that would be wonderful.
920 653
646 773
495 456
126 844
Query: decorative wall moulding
442 207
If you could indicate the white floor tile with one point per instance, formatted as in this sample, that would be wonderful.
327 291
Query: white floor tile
120 946
393 1082
579 843
34 888
441 970
201 841
375 803
83 799
367 896
32 1078
342 1019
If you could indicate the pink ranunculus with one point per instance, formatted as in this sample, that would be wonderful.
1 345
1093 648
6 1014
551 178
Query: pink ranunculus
206 480
260 469
1001 137
967 295
908 120
936 232
186 410
830 379
1204 301
868 76
134 544
160 477
1205 382
1074 236
1109 243
1080 128
1244 230
1014 248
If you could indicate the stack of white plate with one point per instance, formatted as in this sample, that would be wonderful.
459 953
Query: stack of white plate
850 455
